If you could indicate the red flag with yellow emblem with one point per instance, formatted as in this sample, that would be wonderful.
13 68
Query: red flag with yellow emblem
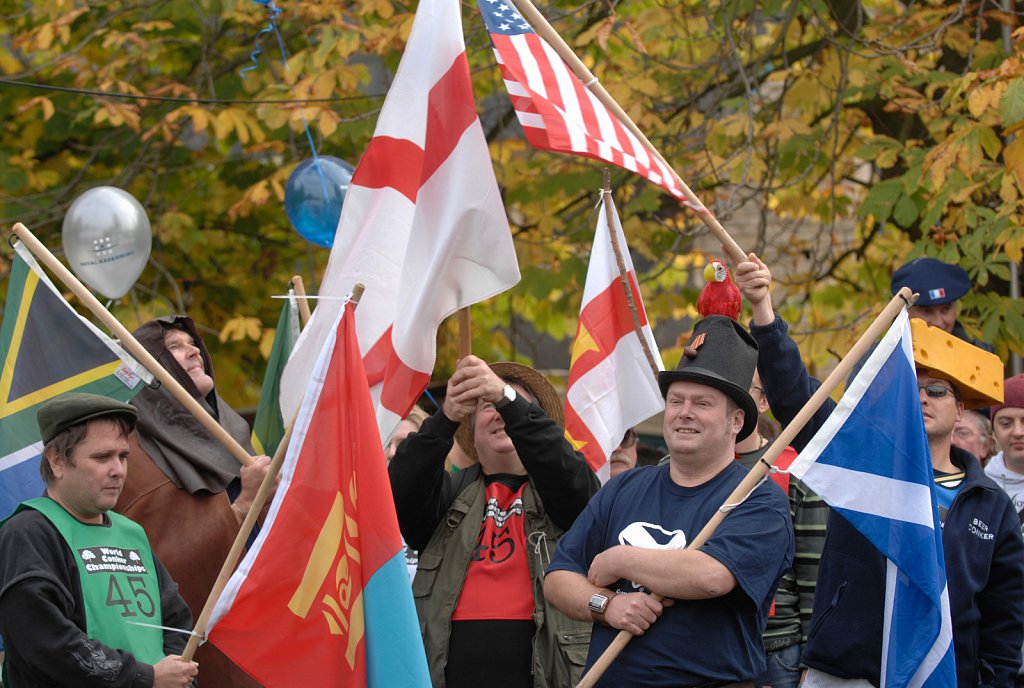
323 598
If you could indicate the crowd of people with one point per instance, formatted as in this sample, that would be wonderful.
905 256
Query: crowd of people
524 568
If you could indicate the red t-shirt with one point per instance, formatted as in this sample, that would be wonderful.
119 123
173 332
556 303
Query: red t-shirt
497 584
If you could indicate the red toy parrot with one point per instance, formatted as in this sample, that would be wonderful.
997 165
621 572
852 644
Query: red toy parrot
720 296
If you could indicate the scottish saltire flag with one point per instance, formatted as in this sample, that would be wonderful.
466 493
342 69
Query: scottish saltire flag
327 572
47 349
423 226
612 386
556 110
268 426
871 463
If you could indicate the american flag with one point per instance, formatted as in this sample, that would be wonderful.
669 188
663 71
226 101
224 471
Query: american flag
556 110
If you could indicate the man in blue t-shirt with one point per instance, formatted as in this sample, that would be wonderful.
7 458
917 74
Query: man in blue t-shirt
630 539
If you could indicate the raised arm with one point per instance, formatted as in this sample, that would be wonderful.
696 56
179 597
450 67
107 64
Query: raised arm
560 474
787 384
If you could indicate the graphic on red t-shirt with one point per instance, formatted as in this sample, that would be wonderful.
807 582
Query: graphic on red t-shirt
497 584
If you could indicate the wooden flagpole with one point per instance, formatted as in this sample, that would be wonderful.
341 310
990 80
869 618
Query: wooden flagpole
548 33
300 297
235 553
465 332
903 298
609 211
131 344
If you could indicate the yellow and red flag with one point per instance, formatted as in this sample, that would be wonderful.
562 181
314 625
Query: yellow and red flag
322 598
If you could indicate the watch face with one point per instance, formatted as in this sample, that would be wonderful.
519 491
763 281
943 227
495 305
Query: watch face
598 603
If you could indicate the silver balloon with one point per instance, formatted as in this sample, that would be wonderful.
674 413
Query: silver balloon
107 239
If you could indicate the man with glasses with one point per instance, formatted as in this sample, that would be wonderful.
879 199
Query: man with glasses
981 540
973 433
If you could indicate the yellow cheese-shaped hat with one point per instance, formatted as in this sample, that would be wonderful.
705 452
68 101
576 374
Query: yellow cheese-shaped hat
977 374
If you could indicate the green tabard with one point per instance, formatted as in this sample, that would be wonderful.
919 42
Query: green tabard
118 576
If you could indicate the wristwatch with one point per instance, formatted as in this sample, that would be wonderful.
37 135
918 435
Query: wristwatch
598 604
508 395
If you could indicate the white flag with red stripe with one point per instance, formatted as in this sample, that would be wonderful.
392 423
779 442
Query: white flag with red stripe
611 384
423 226
557 112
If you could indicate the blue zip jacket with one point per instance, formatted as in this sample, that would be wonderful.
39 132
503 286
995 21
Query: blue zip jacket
981 542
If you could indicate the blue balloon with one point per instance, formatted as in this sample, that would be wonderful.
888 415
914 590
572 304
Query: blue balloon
313 214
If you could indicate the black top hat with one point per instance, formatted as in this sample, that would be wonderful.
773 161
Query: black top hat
723 355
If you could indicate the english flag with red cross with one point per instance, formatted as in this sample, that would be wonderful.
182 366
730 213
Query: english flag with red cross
422 227
612 386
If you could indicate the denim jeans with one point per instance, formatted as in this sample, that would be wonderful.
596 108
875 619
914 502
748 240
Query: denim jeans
783 669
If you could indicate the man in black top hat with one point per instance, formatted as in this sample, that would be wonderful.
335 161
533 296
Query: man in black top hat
941 286
630 539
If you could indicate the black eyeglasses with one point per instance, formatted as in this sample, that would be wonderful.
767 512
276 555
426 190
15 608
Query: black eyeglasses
936 391
629 439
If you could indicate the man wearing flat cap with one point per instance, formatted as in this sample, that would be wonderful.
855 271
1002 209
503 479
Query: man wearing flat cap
630 539
74 576
940 287
485 533
981 541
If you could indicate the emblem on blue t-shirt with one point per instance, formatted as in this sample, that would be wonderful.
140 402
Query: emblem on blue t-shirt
650 536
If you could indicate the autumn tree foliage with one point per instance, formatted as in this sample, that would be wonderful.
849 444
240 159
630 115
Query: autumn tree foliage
851 135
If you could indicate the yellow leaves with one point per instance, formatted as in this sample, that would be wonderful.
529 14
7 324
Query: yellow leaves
1014 241
256 195
383 8
984 97
327 122
242 327
45 104
239 121
273 116
646 86
8 63
785 129
200 117
1008 189
806 94
323 85
733 125
260 194
158 25
347 43
906 99
118 114
1013 155
166 124
172 225
44 37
